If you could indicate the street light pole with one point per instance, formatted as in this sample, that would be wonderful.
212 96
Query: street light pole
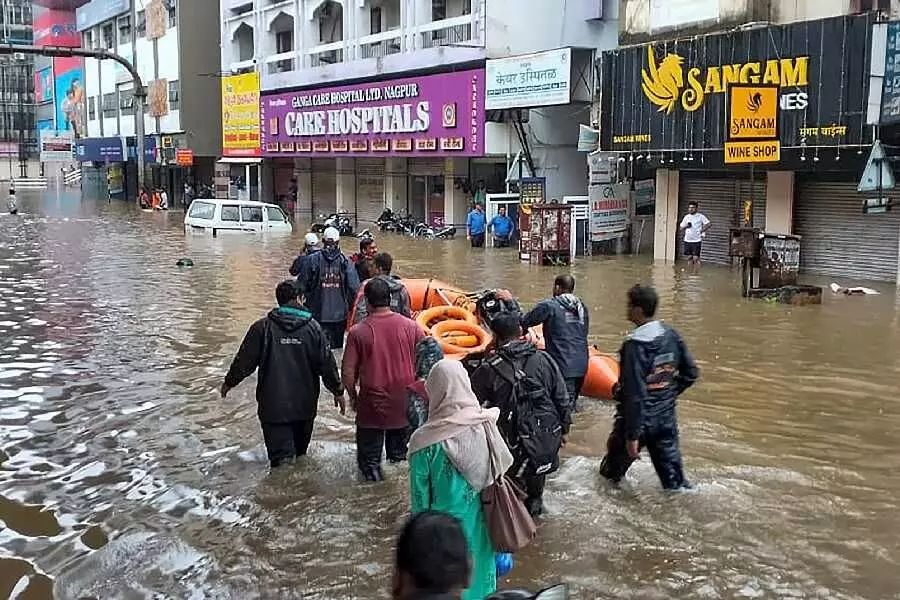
140 94
139 132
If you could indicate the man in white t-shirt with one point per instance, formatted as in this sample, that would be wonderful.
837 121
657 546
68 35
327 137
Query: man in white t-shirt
694 225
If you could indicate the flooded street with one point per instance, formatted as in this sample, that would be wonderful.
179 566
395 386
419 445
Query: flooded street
124 475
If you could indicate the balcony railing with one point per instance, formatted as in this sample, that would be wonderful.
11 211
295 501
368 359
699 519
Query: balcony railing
379 45
281 63
446 32
326 54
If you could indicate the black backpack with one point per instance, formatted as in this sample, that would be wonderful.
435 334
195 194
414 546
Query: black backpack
532 417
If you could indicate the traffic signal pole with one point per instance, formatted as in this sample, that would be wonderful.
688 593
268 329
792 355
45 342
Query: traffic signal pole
140 94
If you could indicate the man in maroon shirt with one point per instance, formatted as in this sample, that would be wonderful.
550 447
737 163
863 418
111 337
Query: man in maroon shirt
380 357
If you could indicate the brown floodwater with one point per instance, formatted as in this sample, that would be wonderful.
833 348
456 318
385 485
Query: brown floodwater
124 475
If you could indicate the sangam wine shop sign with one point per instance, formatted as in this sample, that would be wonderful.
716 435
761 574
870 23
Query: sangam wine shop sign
434 115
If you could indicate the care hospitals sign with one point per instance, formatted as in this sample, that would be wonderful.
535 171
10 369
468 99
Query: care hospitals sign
539 79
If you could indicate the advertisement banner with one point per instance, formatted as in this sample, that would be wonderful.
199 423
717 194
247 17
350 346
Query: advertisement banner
57 146
56 28
433 115
539 79
108 149
68 73
157 19
43 85
158 98
672 95
608 201
890 92
240 115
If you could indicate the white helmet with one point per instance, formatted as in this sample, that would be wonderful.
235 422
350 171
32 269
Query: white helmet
331 235
311 239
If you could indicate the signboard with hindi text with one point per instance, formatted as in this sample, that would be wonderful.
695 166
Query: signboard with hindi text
240 115
539 79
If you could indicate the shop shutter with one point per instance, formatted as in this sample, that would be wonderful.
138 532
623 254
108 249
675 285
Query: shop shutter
722 201
838 239
369 191
324 187
426 166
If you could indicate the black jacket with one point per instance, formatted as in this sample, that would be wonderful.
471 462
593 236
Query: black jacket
292 353
494 390
297 265
399 299
329 284
656 367
566 323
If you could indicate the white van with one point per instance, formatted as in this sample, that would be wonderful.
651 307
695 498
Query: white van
218 215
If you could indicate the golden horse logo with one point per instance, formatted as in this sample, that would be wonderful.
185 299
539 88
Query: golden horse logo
663 84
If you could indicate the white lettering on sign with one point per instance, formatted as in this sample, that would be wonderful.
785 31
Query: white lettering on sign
402 91
361 120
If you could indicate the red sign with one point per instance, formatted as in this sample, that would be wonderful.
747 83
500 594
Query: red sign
56 28
184 157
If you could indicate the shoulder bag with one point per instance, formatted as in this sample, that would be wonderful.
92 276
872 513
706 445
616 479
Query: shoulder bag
510 527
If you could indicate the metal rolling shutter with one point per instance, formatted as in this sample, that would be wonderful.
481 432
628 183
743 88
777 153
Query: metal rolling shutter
369 191
838 239
426 166
324 187
721 200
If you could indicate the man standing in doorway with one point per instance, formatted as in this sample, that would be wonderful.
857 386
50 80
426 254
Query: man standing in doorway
475 226
656 368
329 283
292 354
380 358
502 227
694 225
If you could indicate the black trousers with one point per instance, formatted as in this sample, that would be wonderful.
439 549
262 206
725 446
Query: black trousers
573 387
660 440
534 492
335 334
286 441
501 242
369 443
477 240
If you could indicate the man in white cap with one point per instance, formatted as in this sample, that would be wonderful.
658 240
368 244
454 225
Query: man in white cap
310 247
329 283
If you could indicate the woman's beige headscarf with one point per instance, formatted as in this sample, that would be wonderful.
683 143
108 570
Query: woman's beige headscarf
456 420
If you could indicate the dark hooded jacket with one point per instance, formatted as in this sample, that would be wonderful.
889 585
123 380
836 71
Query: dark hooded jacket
656 367
566 322
297 265
329 284
493 384
292 353
399 299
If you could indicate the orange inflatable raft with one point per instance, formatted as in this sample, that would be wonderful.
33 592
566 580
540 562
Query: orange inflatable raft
460 333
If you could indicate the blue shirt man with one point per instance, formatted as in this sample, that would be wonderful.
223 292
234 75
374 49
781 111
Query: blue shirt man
503 228
475 226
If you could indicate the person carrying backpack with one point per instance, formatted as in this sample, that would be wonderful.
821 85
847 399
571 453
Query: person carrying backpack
529 389
329 284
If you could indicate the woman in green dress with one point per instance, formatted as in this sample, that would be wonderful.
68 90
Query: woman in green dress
450 460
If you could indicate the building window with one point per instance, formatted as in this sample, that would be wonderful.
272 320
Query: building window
110 107
438 10
284 41
126 100
375 20
87 39
173 95
124 30
173 19
141 23
92 108
108 35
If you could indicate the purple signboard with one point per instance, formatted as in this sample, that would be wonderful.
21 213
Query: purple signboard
434 115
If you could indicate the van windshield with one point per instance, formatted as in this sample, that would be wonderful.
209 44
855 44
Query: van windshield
202 210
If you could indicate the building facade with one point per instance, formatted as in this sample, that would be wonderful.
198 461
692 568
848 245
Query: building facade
385 103
174 45
666 114
18 137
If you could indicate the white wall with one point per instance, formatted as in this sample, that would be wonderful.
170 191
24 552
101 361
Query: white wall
110 75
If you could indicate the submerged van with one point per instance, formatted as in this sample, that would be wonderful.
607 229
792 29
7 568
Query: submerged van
218 215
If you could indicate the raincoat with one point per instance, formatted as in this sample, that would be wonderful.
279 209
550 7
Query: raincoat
329 284
566 322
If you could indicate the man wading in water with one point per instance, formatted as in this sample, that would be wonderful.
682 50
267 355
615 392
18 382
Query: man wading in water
292 354
656 368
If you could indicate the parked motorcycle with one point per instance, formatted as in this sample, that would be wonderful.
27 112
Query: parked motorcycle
340 221
365 233
388 221
422 230
557 592
445 233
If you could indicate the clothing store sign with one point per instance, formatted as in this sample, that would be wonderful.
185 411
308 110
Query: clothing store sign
539 79
433 115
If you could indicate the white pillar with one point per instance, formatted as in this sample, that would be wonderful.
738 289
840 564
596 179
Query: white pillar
665 235
346 184
303 174
780 202
396 185
454 199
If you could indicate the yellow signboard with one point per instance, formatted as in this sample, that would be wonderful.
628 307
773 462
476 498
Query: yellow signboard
752 152
240 115
752 112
